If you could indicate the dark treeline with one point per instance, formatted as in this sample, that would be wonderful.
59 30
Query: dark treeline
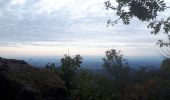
117 80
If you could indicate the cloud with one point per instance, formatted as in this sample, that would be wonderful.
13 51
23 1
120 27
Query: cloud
67 23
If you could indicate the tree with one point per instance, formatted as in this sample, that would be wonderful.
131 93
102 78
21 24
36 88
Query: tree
51 67
84 86
144 10
92 86
165 66
115 64
69 67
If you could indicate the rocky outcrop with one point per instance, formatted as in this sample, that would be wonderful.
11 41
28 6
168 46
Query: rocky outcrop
21 81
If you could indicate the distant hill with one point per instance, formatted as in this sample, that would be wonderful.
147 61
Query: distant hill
95 62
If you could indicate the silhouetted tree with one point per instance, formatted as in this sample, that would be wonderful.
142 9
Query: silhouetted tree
51 67
83 86
69 67
144 10
115 64
165 67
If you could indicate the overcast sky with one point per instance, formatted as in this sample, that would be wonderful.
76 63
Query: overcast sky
51 27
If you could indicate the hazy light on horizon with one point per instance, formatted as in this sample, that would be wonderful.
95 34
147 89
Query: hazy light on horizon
32 50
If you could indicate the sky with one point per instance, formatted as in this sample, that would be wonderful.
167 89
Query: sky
56 27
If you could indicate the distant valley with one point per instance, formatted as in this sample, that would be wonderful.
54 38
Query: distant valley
94 62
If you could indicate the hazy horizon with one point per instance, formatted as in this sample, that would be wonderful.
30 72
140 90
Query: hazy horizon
92 62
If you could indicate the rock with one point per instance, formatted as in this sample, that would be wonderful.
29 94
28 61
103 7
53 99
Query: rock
21 81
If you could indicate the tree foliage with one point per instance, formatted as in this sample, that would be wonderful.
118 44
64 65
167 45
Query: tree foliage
115 64
144 10
145 83
165 66
69 67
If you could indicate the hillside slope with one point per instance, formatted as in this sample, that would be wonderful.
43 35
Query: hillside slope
21 81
